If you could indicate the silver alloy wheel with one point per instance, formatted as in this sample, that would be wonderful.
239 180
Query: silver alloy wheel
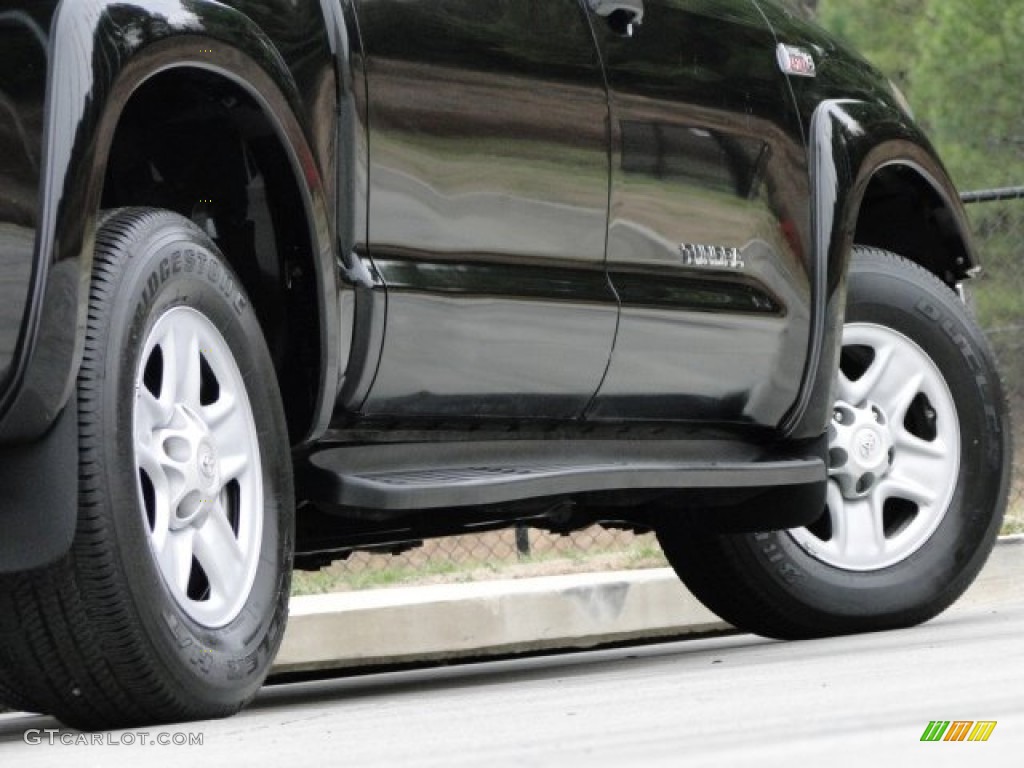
198 463
894 453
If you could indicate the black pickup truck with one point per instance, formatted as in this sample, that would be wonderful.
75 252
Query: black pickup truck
284 279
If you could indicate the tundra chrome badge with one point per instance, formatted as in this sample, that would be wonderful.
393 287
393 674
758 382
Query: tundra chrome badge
695 255
795 61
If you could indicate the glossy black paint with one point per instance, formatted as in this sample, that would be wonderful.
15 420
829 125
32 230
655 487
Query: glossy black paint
499 128
106 51
23 38
24 44
488 203
858 129
97 55
707 151
500 197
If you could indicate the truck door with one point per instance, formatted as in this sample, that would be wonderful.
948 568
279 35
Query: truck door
488 206
709 225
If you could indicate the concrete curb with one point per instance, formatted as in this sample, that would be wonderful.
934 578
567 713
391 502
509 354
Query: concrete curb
436 623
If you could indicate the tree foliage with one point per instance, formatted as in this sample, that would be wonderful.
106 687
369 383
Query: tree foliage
967 86
959 64
882 30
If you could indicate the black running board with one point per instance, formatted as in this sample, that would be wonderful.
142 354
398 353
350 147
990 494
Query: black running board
433 475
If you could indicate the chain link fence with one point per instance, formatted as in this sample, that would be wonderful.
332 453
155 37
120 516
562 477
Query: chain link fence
997 217
514 553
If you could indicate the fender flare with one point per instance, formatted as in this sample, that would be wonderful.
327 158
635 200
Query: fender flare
94 70
850 142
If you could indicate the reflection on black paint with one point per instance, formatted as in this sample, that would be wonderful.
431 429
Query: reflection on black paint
695 294
23 65
710 159
482 279
707 153
488 205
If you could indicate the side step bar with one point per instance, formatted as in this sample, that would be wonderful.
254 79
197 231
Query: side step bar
431 475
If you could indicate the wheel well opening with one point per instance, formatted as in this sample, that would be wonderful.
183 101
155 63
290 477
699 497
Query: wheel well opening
901 212
195 143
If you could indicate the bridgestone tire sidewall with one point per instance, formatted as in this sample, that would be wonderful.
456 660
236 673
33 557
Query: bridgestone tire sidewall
890 292
175 265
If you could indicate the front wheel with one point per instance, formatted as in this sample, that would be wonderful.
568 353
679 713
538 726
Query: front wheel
173 600
919 460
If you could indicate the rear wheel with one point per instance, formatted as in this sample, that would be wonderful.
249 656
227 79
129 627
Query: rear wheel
172 602
918 476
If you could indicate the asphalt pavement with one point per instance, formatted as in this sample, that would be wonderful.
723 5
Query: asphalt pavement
723 701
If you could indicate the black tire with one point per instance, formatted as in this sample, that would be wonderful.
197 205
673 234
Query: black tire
10 700
99 639
770 584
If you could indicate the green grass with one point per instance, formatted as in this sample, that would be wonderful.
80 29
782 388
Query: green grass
642 552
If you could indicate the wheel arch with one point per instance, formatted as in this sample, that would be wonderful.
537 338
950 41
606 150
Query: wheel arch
95 72
875 181
194 141
903 208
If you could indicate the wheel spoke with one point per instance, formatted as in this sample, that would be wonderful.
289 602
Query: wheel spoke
151 414
220 555
835 504
846 391
908 444
920 467
900 486
229 429
217 414
896 385
175 558
232 466
860 534
856 392
188 369
897 401
149 461
168 343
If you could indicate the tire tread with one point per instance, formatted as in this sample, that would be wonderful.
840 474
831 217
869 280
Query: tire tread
60 653
730 577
